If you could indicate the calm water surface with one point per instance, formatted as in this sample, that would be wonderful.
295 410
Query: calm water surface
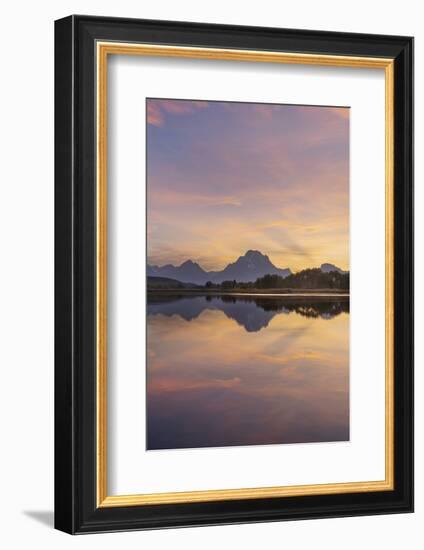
240 370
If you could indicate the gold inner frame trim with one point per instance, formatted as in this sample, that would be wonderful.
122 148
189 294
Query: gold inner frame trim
103 50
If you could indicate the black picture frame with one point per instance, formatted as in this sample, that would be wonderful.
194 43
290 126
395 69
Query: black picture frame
76 510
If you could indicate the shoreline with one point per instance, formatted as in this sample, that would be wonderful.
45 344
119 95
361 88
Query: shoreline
272 292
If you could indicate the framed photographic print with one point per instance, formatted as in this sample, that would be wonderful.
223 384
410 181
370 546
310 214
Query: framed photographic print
233 274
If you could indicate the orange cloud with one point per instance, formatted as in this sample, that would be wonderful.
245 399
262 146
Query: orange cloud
342 112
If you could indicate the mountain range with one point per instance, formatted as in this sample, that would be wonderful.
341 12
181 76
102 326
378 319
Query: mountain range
247 268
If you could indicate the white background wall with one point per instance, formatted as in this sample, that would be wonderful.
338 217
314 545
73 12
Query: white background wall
26 273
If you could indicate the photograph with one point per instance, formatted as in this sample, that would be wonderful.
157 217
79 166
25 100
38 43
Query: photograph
247 273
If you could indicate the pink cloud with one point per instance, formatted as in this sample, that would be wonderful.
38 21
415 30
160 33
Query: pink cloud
157 109
154 114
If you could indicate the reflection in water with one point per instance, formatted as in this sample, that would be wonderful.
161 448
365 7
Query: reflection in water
252 312
246 370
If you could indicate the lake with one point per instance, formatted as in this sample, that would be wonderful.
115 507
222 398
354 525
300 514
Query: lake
246 370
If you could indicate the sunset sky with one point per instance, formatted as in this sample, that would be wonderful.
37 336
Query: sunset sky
223 178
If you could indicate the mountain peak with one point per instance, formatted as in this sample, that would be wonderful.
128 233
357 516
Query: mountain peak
327 268
254 254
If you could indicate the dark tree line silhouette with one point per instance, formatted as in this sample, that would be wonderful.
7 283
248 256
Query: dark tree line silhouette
306 279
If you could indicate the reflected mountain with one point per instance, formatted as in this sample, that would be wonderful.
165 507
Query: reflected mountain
253 313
